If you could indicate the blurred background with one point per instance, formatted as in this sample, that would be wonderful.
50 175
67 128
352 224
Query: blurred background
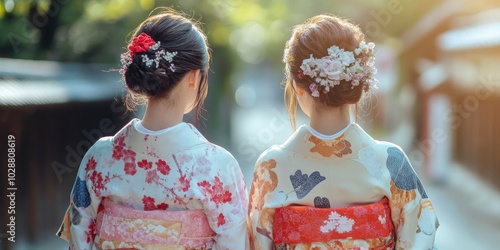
438 96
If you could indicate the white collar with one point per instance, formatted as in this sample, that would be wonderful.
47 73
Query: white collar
327 137
177 138
141 129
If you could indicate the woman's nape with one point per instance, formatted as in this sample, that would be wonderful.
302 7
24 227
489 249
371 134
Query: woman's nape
163 112
326 120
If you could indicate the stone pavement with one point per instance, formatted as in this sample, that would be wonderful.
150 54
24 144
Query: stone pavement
468 211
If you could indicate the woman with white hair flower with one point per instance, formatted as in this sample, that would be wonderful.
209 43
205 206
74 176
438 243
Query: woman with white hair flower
331 185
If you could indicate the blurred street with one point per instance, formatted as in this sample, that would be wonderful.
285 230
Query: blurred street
469 212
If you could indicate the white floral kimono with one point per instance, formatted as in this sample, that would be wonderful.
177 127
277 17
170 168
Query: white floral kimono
131 189
354 192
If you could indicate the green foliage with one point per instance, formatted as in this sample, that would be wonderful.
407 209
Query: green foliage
96 30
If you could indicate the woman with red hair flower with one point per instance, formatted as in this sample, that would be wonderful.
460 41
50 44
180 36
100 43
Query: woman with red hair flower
158 183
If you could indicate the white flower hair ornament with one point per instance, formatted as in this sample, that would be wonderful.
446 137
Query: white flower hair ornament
144 43
326 72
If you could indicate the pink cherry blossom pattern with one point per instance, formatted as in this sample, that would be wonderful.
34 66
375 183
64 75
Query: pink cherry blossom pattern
204 184
130 168
163 167
117 152
221 220
118 147
162 206
145 164
222 197
97 181
152 176
184 183
129 160
216 192
149 203
128 155
217 187
91 164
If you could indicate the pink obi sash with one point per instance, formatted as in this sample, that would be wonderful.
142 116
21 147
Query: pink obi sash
304 224
120 227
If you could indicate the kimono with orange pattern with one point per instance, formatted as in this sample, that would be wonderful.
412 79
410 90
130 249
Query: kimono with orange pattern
347 170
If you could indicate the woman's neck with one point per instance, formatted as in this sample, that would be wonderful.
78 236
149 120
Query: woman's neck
158 116
330 121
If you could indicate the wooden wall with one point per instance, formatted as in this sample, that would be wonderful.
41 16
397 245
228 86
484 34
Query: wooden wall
45 135
477 139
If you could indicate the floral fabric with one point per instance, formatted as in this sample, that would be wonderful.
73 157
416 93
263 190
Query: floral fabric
176 170
350 170
304 224
118 226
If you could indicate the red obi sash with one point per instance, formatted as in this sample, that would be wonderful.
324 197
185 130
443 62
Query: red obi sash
120 227
304 224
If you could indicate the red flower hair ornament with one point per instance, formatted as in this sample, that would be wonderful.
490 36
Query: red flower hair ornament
141 44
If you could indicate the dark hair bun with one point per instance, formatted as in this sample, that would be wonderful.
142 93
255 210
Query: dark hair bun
144 81
175 34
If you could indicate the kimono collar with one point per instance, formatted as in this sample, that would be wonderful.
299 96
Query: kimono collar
305 142
178 138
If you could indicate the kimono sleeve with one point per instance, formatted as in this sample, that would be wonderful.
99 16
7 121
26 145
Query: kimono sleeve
226 203
260 218
78 227
412 213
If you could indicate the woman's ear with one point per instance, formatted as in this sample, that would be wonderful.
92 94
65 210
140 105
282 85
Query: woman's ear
194 79
299 90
